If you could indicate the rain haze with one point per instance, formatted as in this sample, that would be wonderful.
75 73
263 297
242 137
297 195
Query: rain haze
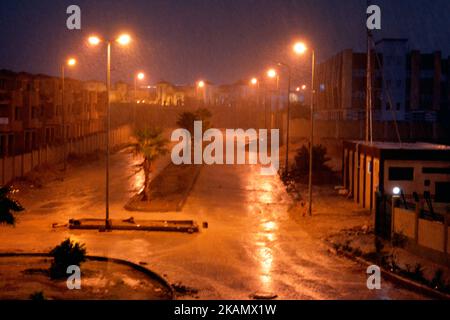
219 40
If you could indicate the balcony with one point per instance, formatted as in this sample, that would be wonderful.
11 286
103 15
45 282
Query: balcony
6 125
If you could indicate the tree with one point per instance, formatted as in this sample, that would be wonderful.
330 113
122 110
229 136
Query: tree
204 115
8 206
320 159
151 145
186 119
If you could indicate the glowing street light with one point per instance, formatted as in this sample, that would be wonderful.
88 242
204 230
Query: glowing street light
140 76
70 63
271 73
201 84
299 48
94 40
122 39
254 81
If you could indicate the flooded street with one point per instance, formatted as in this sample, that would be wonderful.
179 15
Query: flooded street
251 243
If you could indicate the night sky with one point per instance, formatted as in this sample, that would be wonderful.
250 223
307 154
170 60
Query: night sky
218 40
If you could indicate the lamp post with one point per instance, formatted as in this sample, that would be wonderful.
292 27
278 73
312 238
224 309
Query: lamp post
255 83
272 73
70 63
123 39
139 76
300 48
286 165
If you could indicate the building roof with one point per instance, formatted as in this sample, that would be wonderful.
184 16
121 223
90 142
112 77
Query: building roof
405 145
401 151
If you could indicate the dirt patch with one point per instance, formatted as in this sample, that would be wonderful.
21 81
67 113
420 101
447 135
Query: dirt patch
168 190
24 277
361 242
331 212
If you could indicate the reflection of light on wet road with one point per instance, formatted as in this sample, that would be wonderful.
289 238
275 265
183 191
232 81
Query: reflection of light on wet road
264 239
269 226
266 193
137 180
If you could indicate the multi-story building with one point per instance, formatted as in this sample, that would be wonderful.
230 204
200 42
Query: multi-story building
32 115
407 85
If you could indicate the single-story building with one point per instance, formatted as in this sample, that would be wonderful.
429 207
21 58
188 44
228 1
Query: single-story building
381 166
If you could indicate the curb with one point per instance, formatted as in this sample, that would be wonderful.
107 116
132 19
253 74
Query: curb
407 283
180 205
147 272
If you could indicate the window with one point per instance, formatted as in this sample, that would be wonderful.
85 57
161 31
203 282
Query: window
431 170
17 115
401 174
442 192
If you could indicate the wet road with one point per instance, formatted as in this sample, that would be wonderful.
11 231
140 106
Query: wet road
251 244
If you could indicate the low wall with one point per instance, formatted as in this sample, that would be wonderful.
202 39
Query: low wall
19 165
404 222
426 234
431 235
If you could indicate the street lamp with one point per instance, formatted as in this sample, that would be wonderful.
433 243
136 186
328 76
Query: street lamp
300 48
123 40
70 63
139 76
272 74
286 164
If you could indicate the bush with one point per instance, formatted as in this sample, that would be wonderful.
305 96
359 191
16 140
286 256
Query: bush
399 240
186 119
438 281
322 173
8 206
64 255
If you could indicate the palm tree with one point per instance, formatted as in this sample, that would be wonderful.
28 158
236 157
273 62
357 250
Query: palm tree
151 145
186 120
8 205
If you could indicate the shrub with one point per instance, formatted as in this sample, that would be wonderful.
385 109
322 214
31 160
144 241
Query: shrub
438 280
64 255
399 240
8 206
322 173
38 296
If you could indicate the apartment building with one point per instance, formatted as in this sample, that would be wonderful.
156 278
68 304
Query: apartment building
32 115
407 85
